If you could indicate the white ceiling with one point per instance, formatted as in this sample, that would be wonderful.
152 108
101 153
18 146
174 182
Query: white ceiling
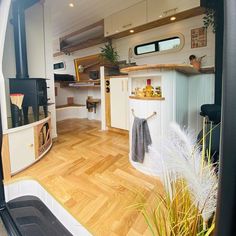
67 19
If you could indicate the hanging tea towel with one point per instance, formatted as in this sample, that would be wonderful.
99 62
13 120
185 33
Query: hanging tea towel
141 139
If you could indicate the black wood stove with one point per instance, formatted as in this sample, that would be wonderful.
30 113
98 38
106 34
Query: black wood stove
34 89
35 95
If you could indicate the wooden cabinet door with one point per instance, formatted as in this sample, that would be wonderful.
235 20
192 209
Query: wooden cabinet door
119 102
129 18
21 148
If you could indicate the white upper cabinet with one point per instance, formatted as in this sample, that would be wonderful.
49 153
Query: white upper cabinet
156 9
126 19
108 30
144 12
130 17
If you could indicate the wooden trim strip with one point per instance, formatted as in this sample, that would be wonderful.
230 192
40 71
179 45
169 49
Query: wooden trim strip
99 23
6 164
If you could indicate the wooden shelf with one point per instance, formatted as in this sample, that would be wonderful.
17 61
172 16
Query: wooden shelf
183 68
66 84
72 105
147 98
86 87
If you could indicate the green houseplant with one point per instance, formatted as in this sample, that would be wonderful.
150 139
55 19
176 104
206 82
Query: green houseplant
109 54
209 19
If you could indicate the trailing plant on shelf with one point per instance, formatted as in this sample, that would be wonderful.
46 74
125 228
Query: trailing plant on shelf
188 204
209 19
109 54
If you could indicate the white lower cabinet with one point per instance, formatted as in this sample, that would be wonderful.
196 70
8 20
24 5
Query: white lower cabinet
21 149
119 103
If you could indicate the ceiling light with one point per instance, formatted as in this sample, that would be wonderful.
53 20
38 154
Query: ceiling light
131 31
173 18
160 16
71 4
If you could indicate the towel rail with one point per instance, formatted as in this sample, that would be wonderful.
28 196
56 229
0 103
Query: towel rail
153 114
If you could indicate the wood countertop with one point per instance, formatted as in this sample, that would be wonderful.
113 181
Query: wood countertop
147 98
183 68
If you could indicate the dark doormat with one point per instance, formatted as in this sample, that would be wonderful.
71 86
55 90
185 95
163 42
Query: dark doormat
33 218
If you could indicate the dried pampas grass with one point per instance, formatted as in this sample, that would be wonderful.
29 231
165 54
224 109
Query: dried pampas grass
189 202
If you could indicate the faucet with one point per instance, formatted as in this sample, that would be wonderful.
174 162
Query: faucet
130 55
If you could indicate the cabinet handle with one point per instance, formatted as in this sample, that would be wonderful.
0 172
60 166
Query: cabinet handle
128 25
122 85
127 82
31 145
170 11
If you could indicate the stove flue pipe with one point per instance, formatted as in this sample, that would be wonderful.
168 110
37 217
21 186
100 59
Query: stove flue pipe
18 8
18 12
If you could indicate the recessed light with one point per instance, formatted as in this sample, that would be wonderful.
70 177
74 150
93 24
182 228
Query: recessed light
71 4
160 16
131 31
173 18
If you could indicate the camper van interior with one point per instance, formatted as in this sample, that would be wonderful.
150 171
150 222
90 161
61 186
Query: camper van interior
111 117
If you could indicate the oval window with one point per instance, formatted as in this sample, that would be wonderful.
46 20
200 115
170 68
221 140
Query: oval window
161 45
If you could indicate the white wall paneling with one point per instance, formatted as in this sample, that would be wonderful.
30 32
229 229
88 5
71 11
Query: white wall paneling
201 91
34 26
181 96
72 112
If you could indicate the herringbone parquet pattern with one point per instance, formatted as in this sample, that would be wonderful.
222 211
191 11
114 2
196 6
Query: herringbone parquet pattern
89 173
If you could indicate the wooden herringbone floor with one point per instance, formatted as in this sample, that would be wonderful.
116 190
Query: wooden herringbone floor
89 173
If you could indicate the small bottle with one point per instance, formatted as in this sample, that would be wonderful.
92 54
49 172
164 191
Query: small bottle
158 91
149 89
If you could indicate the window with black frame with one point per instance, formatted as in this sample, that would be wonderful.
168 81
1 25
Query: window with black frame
161 45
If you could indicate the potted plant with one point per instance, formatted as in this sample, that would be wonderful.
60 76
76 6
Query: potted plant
109 54
209 19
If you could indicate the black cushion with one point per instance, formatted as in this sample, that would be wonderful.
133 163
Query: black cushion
213 112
